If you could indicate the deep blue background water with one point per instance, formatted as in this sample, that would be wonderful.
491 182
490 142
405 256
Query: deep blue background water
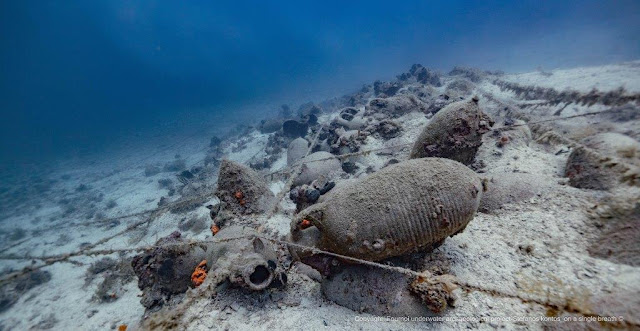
76 74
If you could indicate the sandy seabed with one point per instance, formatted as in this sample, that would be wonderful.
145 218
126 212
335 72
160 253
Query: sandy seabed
531 263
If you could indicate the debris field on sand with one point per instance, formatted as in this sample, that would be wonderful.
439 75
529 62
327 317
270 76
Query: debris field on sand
431 195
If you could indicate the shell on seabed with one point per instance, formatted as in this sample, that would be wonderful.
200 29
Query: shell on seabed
410 206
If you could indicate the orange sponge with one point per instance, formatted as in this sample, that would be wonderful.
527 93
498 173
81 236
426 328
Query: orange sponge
200 274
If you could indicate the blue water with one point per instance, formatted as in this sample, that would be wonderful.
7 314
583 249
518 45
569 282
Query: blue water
109 106
78 75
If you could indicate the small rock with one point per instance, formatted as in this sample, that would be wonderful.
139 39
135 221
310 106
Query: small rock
349 167
293 128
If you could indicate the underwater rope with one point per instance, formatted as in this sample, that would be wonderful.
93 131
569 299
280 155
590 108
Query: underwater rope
544 301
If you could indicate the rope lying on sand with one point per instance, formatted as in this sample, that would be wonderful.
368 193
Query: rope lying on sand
555 97
558 303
